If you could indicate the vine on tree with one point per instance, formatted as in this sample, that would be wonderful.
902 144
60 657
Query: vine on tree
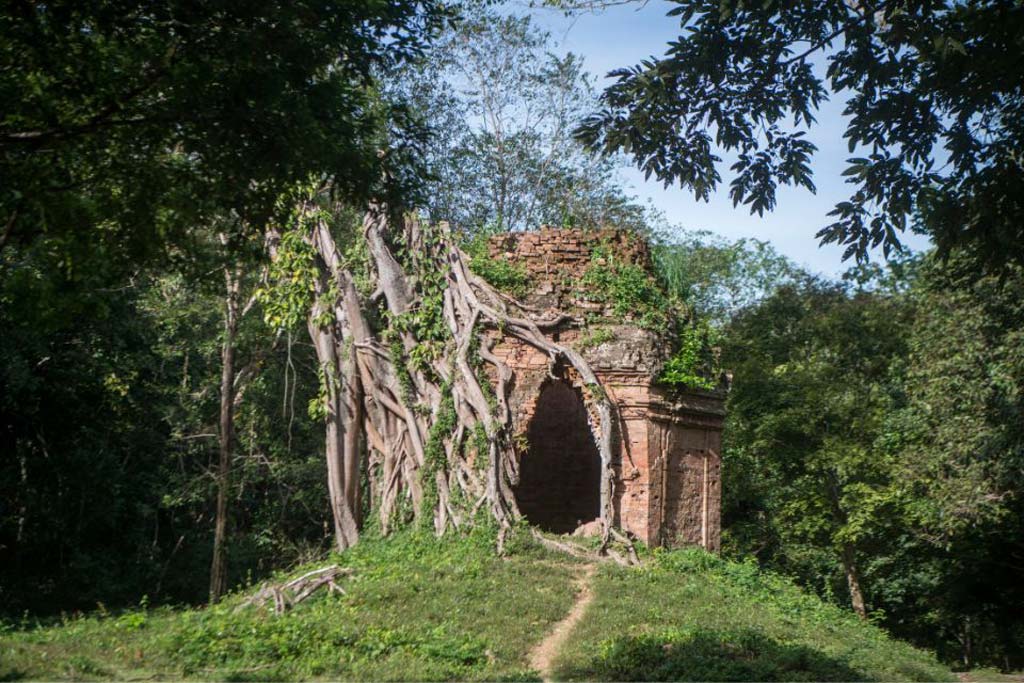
415 400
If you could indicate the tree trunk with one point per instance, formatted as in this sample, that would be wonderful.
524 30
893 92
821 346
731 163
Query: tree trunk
339 396
853 580
413 405
848 555
218 568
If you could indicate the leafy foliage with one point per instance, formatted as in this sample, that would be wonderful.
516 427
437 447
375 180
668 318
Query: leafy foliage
865 429
628 288
510 278
693 364
934 101
716 278
131 123
807 404
872 425
594 337
109 386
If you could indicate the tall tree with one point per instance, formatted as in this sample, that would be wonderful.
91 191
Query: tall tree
226 435
959 454
935 100
406 364
872 443
234 380
129 130
132 122
809 397
502 103
400 356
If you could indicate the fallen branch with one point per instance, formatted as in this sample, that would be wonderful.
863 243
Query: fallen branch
288 594
603 553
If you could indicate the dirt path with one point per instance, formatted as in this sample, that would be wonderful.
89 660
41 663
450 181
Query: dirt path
543 655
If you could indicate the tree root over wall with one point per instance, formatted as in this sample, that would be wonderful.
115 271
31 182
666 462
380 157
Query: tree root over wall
411 383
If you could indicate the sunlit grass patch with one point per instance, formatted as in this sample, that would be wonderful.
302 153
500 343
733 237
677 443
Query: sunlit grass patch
692 616
415 608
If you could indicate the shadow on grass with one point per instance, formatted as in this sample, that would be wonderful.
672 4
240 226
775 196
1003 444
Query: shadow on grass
704 655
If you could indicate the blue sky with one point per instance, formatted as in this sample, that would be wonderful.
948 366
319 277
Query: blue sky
621 36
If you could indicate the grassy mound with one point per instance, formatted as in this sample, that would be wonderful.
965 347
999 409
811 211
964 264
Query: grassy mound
691 616
414 609
420 609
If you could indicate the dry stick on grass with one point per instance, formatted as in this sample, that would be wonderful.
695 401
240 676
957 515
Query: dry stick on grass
290 593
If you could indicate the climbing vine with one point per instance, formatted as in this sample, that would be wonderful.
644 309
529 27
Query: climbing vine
436 458
287 301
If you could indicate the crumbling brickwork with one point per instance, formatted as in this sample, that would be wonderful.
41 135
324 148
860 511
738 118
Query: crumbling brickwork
667 463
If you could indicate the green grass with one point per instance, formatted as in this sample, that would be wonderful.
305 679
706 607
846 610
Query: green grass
992 676
690 616
417 608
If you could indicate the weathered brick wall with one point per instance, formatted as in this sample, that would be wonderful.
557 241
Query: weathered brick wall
667 457
556 260
686 490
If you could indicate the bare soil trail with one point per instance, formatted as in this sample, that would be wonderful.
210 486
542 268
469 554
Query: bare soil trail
543 655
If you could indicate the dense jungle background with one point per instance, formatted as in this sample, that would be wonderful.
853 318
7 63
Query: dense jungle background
874 446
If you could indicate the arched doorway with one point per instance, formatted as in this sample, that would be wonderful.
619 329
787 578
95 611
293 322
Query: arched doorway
560 474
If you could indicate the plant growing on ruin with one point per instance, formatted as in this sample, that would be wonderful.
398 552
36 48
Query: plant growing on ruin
507 277
694 364
631 292
595 337
410 379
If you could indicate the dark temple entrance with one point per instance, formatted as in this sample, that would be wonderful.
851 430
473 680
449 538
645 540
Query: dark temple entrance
560 475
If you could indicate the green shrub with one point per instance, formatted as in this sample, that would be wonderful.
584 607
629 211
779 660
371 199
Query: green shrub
709 655
595 338
504 276
632 292
694 363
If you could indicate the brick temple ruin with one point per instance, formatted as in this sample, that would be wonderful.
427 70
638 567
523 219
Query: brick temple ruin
667 464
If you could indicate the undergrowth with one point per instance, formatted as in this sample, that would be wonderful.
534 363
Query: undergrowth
510 278
418 608
631 291
415 608
635 295
691 616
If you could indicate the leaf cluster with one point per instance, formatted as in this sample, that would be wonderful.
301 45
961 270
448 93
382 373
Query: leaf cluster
628 288
505 276
694 364
133 122
934 105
